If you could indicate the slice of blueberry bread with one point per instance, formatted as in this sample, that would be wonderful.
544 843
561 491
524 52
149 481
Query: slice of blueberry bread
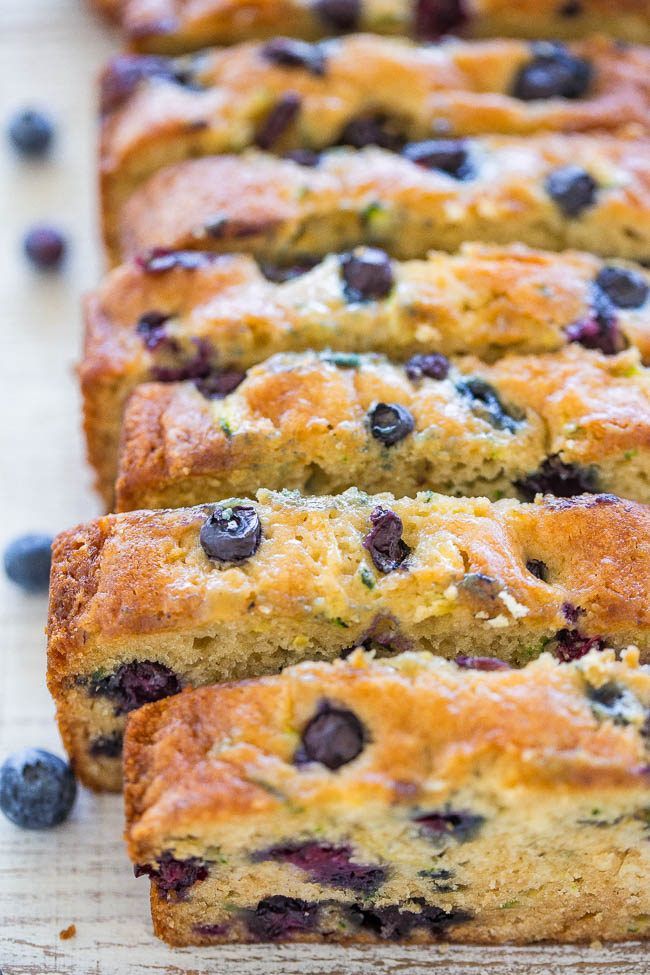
147 603
207 318
411 800
321 423
554 191
288 96
174 26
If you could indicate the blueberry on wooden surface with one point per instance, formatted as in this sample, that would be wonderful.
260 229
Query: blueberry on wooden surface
37 789
27 562
333 737
45 247
31 133
231 534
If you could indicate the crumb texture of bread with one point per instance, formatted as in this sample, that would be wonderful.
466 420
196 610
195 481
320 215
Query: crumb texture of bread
357 90
397 800
175 26
553 191
322 575
218 314
322 423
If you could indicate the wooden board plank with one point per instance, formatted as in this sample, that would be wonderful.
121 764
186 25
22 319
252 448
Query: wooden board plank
49 54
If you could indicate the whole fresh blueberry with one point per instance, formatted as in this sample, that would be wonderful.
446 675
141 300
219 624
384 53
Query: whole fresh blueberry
289 53
27 562
450 156
433 18
31 133
45 247
390 423
367 274
37 789
384 541
338 15
333 737
433 366
572 188
552 72
231 534
624 287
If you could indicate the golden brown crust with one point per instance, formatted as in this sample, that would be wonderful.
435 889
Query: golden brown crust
303 422
174 26
457 89
279 210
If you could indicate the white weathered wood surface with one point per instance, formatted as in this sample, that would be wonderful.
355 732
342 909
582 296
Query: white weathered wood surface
49 54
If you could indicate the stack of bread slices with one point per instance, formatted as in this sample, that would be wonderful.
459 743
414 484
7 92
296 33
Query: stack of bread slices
368 390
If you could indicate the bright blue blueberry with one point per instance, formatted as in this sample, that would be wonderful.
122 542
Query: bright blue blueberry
37 789
27 562
31 133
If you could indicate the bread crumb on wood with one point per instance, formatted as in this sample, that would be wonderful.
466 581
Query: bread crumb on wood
68 932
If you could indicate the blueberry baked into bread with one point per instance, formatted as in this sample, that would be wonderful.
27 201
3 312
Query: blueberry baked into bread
147 603
180 25
554 191
408 800
201 317
321 423
286 96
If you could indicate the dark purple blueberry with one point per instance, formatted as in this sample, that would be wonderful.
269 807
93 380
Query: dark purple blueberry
572 645
600 330
231 534
572 188
461 825
480 586
572 613
304 157
481 663
217 384
450 156
433 18
624 287
392 923
136 683
31 133
390 423
329 865
160 260
211 930
435 365
367 274
338 15
557 478
151 326
37 789
484 401
333 737
572 8
45 247
384 540
538 569
372 130
197 366
173 878
278 918
278 120
106 746
612 702
552 72
27 562
272 272
289 53
127 71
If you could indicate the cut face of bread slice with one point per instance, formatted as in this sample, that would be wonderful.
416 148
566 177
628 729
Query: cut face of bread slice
286 96
553 191
145 604
174 26
409 800
208 318
324 423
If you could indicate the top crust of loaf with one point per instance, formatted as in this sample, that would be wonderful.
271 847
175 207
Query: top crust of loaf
213 755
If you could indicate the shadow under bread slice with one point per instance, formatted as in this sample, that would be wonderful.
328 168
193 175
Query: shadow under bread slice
198 316
174 26
284 96
555 191
564 422
403 800
147 603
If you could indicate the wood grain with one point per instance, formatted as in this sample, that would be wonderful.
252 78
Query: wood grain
49 54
